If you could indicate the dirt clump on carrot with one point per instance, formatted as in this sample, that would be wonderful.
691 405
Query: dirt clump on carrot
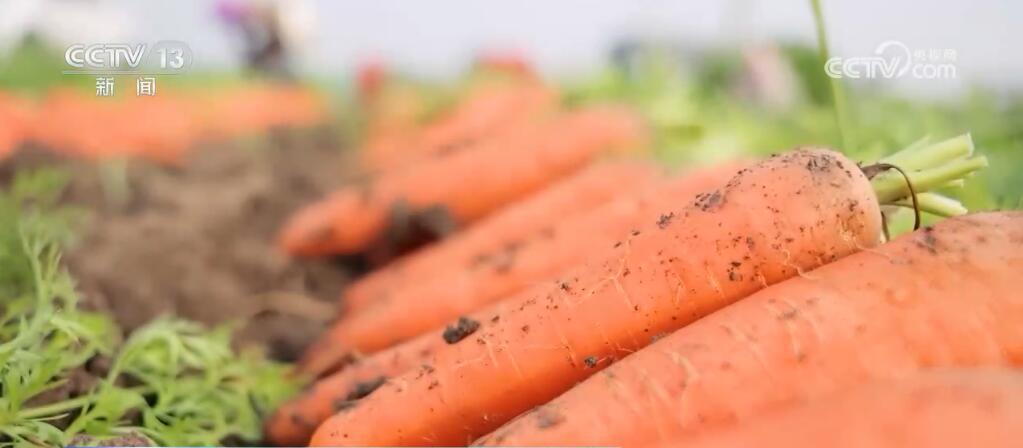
944 296
358 391
657 280
461 330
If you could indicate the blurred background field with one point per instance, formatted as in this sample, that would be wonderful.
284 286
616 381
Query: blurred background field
730 76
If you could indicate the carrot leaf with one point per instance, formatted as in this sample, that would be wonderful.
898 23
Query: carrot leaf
935 204
171 382
927 166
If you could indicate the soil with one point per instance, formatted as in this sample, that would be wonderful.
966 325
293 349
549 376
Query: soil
197 240
461 330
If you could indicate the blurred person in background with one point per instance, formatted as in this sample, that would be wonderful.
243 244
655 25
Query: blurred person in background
272 32
768 79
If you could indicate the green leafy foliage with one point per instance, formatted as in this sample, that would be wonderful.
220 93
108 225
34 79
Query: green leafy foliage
172 382
32 68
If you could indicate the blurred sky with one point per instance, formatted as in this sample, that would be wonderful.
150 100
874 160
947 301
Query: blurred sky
438 37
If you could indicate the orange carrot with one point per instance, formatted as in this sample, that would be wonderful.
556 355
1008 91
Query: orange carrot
942 296
74 123
252 109
563 200
78 124
166 134
724 245
429 303
489 109
938 409
467 184
295 421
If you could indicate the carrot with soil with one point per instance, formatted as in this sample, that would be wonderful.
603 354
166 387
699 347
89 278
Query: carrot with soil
294 422
726 244
423 305
944 296
944 408
581 192
466 185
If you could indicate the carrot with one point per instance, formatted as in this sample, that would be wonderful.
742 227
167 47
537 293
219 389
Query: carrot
947 408
488 109
165 135
672 272
574 195
76 124
255 108
426 304
467 184
940 297
726 244
490 276
294 422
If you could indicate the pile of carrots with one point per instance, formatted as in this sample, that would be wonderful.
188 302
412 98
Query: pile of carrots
578 294
162 127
